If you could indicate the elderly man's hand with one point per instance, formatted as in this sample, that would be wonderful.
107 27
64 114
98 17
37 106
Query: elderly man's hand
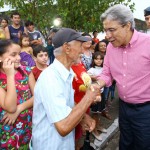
93 93
87 123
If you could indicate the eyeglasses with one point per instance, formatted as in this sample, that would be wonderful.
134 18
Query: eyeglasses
112 30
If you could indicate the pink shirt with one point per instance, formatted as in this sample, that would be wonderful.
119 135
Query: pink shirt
130 67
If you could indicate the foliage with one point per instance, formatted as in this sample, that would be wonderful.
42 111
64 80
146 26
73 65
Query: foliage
82 15
85 14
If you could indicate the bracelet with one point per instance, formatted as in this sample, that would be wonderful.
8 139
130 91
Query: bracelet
98 83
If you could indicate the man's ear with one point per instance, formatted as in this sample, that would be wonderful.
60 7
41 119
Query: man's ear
66 48
128 25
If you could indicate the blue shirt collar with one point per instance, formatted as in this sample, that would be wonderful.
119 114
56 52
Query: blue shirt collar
63 71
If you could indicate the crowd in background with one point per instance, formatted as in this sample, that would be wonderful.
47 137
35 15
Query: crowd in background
35 55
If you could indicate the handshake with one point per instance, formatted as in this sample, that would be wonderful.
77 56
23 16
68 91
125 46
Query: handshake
92 90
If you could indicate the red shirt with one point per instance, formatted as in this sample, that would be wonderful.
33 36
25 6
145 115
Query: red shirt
96 40
78 94
36 72
77 81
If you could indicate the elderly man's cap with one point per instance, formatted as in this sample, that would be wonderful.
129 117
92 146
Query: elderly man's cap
67 35
147 11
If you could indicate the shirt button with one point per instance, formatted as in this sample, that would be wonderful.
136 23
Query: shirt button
124 86
124 96
124 75
125 64
125 52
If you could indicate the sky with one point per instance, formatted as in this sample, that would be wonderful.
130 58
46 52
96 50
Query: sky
140 5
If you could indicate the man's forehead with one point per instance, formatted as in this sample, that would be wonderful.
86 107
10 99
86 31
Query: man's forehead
109 23
16 16
147 16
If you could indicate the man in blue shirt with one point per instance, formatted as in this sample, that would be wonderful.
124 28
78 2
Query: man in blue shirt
15 31
54 113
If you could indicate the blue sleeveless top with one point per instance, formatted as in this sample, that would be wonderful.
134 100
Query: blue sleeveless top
15 33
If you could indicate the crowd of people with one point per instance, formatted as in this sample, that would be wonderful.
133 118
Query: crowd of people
50 88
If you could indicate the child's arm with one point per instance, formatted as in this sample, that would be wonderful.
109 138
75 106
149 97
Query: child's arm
28 103
8 100
7 33
37 42
10 118
31 51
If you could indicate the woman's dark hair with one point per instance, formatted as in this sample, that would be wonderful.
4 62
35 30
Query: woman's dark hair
97 45
105 41
14 14
38 49
95 55
29 23
4 44
24 35
5 20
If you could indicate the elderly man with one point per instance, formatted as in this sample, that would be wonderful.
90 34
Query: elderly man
54 113
147 16
127 61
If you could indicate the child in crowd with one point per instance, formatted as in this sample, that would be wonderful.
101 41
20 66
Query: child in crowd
41 57
97 108
101 47
16 102
95 34
26 51
4 23
50 49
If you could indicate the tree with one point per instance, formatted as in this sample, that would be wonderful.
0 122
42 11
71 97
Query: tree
85 14
39 11
82 15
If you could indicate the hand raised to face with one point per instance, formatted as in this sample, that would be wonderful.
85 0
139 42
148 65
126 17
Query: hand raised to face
8 67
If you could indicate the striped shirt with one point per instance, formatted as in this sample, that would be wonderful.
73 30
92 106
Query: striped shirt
130 67
54 100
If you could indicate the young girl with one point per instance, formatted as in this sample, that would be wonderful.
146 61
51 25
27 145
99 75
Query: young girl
101 47
97 108
4 23
16 101
26 51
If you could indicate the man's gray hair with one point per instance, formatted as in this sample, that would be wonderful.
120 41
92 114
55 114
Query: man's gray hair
58 51
119 13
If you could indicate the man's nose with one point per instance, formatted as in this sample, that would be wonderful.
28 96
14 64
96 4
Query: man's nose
108 34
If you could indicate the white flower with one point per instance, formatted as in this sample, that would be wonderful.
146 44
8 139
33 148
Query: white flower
19 125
